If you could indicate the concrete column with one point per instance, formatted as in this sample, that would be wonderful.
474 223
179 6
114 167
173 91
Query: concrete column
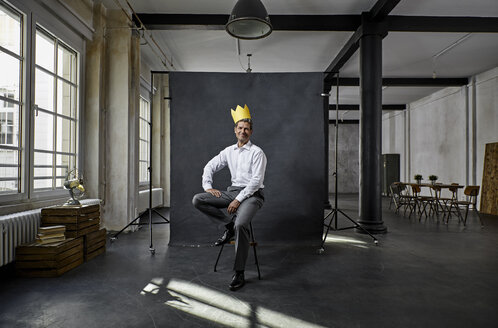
326 201
123 81
94 113
370 207
157 127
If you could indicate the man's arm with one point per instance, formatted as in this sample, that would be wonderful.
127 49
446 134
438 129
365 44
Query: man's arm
214 165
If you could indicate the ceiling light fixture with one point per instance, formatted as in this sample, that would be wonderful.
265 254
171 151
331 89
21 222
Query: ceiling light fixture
249 20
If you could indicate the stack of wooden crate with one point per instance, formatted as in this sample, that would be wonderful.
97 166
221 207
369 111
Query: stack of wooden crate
49 260
79 220
84 241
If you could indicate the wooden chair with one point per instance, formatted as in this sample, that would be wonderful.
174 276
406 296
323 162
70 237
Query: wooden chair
252 244
440 204
471 192
400 197
421 202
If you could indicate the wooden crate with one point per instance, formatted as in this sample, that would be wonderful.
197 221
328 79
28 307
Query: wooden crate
52 260
94 244
79 221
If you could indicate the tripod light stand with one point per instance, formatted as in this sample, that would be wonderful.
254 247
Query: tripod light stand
335 211
150 209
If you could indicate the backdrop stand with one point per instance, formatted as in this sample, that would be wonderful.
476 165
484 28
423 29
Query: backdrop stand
150 209
335 211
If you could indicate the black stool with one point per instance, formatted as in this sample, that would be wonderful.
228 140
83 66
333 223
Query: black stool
252 243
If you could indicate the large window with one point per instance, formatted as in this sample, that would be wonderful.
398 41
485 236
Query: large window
39 102
11 64
144 141
55 111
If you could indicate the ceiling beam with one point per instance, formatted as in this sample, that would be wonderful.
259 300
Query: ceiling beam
344 54
442 24
382 8
385 107
325 22
406 82
345 122
378 12
279 22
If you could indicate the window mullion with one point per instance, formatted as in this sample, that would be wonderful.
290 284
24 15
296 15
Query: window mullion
56 110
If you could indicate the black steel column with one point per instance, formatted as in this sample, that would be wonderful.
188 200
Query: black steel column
326 89
370 216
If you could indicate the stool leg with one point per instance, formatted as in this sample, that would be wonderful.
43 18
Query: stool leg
254 249
218 258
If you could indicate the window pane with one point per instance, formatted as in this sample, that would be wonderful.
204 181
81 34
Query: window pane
10 30
143 173
9 169
66 64
66 141
10 69
43 169
44 131
44 51
44 90
66 101
64 163
9 124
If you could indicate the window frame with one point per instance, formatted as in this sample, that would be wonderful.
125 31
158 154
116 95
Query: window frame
36 13
146 99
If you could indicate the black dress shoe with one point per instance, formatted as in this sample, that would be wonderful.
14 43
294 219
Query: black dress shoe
238 281
225 238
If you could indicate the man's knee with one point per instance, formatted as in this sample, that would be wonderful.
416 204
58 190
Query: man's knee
197 200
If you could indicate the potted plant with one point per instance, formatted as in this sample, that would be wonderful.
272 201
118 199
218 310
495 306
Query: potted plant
433 178
418 178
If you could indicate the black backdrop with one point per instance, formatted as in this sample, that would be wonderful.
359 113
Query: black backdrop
287 112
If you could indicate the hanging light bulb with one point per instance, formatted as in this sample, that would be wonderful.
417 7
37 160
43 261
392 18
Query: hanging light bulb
249 20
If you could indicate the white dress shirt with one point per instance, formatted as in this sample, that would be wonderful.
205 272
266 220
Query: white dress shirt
247 166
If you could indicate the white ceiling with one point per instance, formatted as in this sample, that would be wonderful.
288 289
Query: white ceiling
404 54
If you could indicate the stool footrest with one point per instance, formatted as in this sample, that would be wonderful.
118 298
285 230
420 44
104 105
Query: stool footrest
252 244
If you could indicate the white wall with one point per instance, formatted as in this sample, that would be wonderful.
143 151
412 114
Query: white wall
446 132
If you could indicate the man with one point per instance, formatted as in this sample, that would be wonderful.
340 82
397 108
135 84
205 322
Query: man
247 164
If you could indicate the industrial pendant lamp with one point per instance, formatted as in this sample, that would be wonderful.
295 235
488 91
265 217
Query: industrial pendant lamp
249 20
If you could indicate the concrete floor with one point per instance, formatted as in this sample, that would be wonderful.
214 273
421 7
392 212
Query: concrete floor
423 274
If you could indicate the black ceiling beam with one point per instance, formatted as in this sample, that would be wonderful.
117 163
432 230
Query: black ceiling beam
344 55
378 12
279 22
357 107
442 24
382 8
406 82
345 122
326 22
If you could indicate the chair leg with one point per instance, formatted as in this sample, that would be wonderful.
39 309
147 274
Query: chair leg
254 249
466 214
218 258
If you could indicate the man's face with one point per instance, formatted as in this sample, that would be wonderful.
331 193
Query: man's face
243 132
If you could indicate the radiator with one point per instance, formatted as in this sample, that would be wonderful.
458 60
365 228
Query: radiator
17 229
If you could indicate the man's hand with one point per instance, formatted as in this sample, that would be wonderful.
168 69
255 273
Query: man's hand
214 192
232 208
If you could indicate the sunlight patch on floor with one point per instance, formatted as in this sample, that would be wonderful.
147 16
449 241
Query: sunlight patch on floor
220 308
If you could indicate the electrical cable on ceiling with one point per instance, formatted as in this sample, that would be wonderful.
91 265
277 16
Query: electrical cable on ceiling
149 35
445 50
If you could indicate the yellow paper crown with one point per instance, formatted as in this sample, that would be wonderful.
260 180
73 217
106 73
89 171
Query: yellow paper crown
240 113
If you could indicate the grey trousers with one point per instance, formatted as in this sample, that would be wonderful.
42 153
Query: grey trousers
212 206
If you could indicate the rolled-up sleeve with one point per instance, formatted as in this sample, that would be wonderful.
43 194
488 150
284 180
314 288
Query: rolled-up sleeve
214 165
256 182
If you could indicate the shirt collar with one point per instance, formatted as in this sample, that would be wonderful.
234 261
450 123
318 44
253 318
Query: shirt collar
246 146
